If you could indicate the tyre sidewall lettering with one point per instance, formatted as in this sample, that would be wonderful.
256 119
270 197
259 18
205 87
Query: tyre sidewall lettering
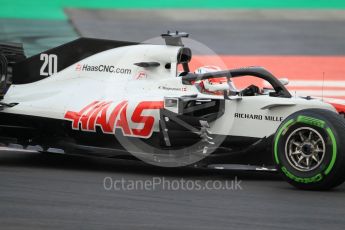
320 126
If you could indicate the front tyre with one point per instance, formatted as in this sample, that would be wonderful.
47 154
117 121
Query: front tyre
309 149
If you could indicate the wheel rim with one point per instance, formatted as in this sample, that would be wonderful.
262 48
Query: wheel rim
305 149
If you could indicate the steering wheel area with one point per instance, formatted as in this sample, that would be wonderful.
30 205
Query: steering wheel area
251 90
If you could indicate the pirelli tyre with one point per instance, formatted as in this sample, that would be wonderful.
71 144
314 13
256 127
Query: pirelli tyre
309 149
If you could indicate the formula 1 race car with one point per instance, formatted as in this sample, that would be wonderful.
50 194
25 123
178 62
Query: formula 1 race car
131 100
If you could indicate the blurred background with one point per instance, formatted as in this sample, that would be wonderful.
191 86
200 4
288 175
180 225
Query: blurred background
303 41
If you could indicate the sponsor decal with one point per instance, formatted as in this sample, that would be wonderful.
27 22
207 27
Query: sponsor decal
141 75
78 67
110 117
258 117
102 68
172 88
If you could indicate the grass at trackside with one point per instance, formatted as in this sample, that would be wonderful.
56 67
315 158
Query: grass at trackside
53 9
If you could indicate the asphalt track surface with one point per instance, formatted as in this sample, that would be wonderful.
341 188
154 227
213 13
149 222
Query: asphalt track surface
39 191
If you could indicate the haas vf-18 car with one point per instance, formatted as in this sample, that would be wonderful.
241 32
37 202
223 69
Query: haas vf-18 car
131 100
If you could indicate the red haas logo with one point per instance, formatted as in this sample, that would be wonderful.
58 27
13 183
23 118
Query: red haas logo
96 114
78 67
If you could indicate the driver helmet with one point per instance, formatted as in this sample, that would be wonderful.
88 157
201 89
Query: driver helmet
211 85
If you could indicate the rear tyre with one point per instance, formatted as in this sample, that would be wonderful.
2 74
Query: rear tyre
309 149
